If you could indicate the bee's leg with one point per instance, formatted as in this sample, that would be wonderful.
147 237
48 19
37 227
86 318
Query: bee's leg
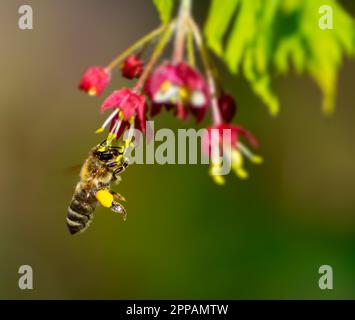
117 179
117 207
121 167
112 164
106 199
117 196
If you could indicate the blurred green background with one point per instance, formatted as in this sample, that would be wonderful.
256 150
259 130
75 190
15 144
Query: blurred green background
185 237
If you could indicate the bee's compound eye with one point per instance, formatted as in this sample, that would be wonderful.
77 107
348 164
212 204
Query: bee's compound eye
105 156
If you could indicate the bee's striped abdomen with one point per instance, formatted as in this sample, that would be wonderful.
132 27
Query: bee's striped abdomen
80 211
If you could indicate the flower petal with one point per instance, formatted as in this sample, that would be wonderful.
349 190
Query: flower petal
132 67
94 80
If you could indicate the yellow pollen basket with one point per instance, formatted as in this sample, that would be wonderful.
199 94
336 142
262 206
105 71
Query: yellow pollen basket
104 197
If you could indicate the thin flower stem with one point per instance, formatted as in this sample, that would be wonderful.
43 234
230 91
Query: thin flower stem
163 41
141 42
179 46
217 118
190 49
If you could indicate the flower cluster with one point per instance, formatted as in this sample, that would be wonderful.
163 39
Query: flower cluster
179 87
176 85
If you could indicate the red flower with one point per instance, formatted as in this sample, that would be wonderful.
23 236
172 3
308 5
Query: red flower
235 132
227 107
132 67
178 87
94 81
237 154
122 125
129 104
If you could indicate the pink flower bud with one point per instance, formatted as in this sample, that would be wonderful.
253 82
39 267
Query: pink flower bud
132 67
227 107
94 81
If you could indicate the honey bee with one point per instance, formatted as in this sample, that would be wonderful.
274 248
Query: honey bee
99 171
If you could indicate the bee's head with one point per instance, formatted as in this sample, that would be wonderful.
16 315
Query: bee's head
106 153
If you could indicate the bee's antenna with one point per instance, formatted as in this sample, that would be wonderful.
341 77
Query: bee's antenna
103 142
121 149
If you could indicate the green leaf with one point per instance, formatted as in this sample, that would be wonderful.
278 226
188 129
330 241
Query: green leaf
243 31
277 36
219 18
165 9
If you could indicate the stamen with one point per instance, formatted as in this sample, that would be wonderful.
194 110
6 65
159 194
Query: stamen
109 119
184 94
244 150
118 124
214 172
197 98
251 156
99 130
113 133
165 85
237 164
130 133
